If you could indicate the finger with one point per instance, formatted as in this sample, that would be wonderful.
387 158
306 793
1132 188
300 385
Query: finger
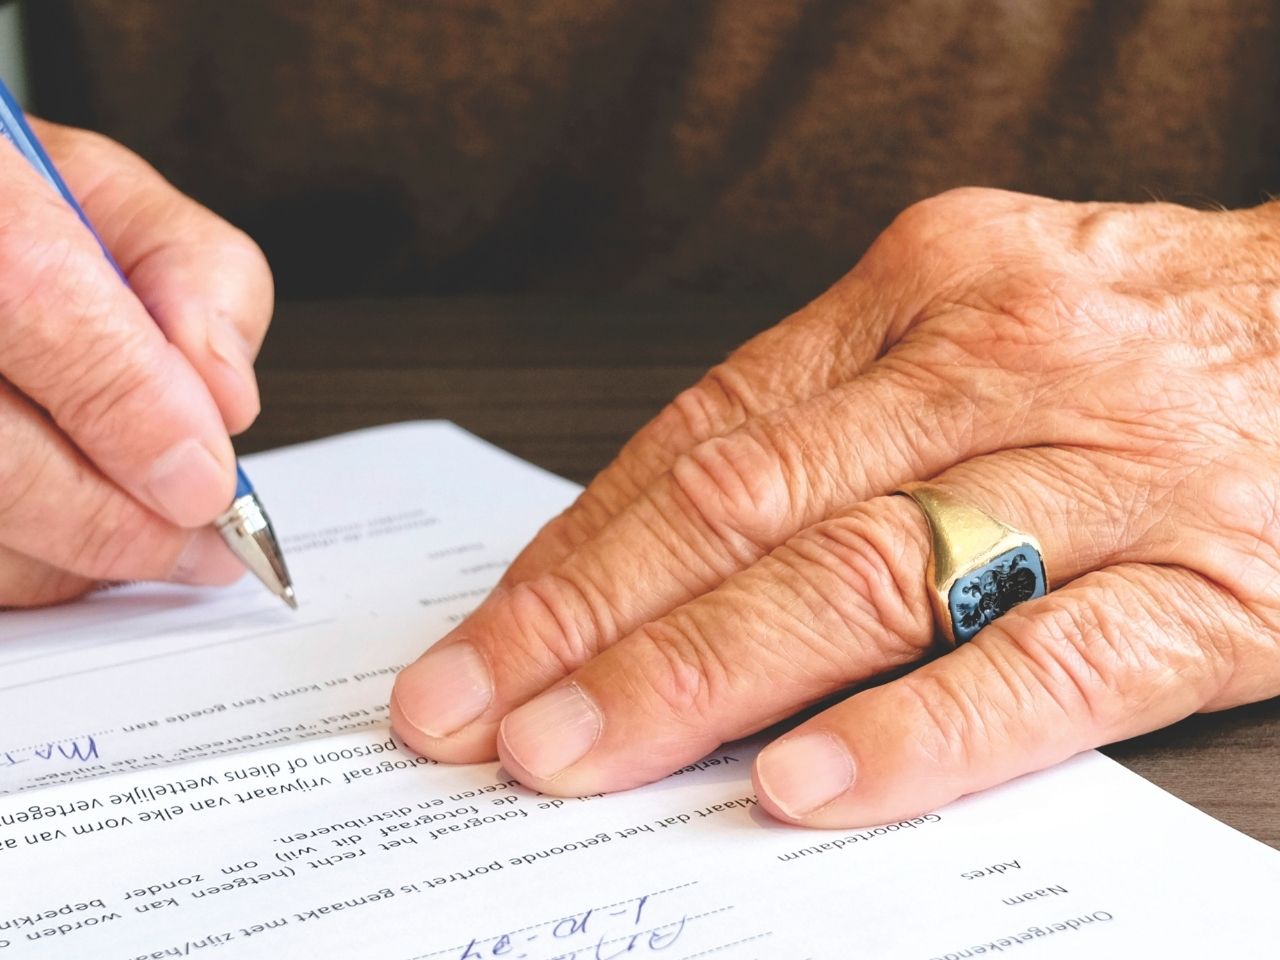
79 344
839 604
721 508
1118 653
25 582
56 509
825 344
829 342
206 283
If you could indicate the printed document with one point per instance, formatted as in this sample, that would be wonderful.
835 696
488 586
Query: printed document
391 534
196 772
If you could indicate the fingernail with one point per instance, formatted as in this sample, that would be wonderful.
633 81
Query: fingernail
229 346
226 343
805 772
553 731
206 561
445 690
184 480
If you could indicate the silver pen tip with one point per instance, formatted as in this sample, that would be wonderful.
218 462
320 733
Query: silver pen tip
247 530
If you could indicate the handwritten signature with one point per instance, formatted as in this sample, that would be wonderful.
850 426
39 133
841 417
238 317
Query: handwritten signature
80 750
595 934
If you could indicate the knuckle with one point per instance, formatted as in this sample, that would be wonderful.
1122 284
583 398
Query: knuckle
957 248
553 618
1238 508
877 587
101 399
718 400
1072 658
1100 232
1108 654
1244 500
557 538
590 510
926 221
934 397
1116 234
588 513
947 720
738 486
678 674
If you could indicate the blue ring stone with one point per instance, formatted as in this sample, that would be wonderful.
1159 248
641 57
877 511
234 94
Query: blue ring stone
991 590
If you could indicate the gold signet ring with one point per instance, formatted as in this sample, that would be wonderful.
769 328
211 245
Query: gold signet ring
979 568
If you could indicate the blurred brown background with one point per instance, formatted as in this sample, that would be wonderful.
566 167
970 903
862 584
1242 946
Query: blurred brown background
388 147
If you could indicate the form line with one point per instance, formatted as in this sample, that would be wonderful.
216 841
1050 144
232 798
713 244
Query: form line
171 653
90 643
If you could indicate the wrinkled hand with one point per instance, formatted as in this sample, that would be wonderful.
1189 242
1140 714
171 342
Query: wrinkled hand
115 401
1105 377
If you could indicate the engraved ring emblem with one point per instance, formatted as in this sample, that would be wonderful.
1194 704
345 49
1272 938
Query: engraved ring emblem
979 568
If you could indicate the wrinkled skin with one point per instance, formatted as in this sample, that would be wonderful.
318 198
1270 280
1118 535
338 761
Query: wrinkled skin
1104 376
116 403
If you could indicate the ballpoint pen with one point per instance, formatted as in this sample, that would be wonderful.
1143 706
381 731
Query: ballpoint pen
244 525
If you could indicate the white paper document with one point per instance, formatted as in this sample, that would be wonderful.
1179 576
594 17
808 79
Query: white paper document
391 534
197 773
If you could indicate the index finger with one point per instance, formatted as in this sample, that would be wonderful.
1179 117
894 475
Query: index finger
204 282
75 340
831 340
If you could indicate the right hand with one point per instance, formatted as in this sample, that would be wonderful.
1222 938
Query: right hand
117 402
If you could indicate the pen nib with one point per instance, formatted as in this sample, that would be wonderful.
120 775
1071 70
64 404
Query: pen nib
247 531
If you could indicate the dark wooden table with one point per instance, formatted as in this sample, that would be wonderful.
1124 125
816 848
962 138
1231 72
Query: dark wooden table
563 383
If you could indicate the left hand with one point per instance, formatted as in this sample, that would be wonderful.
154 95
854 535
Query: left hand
1104 377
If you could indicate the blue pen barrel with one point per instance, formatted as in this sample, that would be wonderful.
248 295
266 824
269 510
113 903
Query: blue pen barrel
13 124
243 486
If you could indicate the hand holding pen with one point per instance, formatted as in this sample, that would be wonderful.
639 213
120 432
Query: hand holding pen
117 401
